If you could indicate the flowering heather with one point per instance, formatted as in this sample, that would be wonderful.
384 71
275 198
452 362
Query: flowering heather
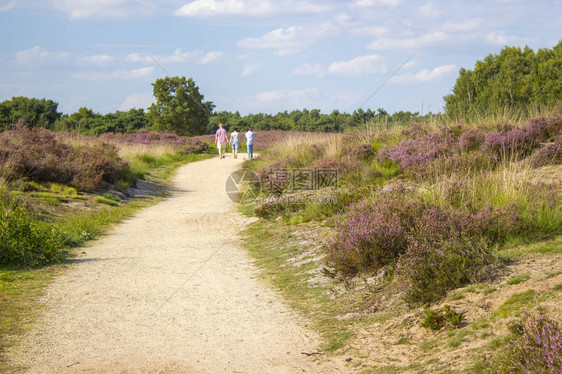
412 153
362 152
538 349
374 233
521 141
36 154
551 154
471 140
430 268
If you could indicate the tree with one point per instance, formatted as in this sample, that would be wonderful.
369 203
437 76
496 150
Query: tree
179 107
515 79
35 112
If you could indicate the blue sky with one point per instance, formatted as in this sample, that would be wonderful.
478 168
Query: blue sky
259 56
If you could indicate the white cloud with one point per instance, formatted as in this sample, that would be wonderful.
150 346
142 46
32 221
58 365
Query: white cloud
137 100
500 38
291 39
360 65
425 75
290 98
78 9
176 57
250 64
316 70
210 57
430 10
117 74
463 26
100 60
374 3
206 8
8 6
409 43
37 53
369 30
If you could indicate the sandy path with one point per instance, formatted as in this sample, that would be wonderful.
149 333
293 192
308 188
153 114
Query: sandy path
131 304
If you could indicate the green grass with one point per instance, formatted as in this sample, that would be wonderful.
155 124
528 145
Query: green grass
268 245
104 200
552 246
517 279
19 306
514 304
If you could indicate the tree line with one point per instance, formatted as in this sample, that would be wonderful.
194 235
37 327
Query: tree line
516 79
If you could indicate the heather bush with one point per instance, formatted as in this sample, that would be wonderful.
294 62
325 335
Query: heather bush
431 267
471 140
24 241
418 152
517 143
372 233
537 348
37 155
550 154
362 152
437 249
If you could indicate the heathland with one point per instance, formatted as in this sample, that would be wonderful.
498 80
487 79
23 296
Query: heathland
411 242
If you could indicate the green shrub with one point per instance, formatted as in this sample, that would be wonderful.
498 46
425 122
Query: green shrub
25 241
433 320
428 272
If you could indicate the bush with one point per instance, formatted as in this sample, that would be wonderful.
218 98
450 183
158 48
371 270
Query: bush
37 155
537 348
551 154
24 241
517 143
372 233
427 271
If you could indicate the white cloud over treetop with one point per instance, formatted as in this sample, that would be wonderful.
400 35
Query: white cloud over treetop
178 56
425 75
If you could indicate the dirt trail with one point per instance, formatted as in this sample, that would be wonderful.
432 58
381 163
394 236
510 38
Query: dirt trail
152 298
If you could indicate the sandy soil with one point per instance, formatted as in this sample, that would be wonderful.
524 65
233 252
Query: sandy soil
170 291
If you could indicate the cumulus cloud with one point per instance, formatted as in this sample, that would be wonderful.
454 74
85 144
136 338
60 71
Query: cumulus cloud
290 98
178 56
360 65
37 54
139 100
316 70
500 38
291 39
463 26
210 57
206 8
409 43
117 74
97 59
78 9
425 75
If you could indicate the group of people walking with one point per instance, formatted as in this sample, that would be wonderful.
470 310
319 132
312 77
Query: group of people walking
222 139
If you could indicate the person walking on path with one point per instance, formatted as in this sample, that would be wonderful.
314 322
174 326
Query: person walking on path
234 143
250 142
221 139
